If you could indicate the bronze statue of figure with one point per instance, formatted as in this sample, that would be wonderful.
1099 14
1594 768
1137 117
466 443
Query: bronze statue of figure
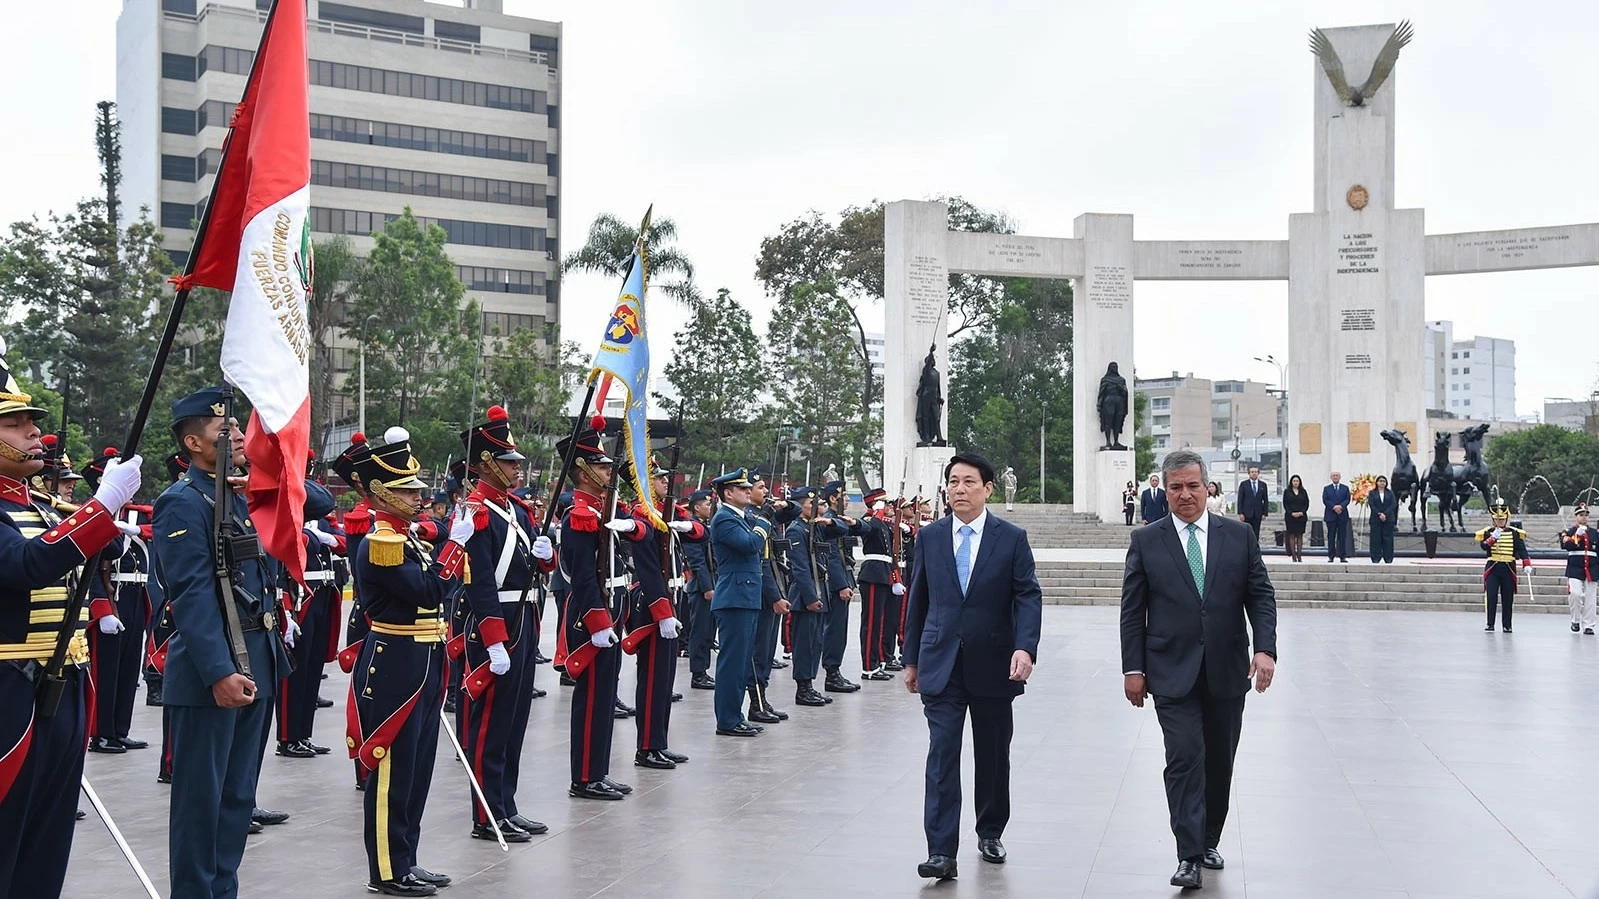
930 403
1112 407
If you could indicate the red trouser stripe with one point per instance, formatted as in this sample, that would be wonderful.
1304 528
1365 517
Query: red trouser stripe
648 720
487 702
588 724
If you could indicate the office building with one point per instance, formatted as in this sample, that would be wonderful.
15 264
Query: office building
1470 378
1189 412
450 110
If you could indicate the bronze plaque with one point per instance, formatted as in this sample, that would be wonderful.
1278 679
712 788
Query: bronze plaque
1310 439
1360 437
1357 198
1409 427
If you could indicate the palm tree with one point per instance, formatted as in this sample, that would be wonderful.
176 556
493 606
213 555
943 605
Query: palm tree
610 245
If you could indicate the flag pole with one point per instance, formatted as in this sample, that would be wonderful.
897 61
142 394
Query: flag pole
52 683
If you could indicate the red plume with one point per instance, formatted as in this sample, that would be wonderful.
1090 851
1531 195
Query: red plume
357 438
110 451
49 441
498 413
598 423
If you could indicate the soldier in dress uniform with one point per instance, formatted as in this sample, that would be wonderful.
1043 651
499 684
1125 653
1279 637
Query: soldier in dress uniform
220 715
311 606
807 590
879 602
1581 544
591 562
56 479
907 521
116 641
652 621
396 682
500 636
773 516
841 587
1504 545
42 552
701 593
697 560
739 542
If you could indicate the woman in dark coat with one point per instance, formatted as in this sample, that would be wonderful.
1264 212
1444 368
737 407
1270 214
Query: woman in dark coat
1296 508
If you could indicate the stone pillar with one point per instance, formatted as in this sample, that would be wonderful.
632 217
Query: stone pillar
1102 332
915 297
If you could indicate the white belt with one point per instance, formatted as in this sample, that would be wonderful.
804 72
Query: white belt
513 595
130 577
873 557
319 577
676 582
618 582
1581 552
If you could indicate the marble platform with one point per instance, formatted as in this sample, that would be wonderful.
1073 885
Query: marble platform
1399 754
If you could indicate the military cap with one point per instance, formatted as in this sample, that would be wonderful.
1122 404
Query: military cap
589 446
207 402
177 464
347 463
318 502
1580 510
491 440
698 495
1499 509
390 466
801 494
94 470
12 399
832 489
738 477
56 460
874 495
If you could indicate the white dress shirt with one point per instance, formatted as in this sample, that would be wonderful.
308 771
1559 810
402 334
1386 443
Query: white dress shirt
977 533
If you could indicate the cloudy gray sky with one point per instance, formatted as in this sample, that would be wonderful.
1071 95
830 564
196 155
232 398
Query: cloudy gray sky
734 117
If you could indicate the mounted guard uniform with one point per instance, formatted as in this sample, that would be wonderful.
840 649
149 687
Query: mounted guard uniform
1504 545
654 628
116 641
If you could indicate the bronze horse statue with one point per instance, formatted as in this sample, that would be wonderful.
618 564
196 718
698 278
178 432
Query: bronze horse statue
1406 483
1473 475
1440 482
1454 483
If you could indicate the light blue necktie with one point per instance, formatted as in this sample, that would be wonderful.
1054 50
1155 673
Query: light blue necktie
1196 561
963 557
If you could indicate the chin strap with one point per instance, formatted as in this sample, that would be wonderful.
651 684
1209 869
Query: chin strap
386 501
7 451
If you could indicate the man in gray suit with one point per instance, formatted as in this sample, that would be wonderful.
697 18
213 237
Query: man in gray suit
1191 581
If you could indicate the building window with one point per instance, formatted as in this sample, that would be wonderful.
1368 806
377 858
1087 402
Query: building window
1454 355
1454 402
1162 421
500 280
177 121
180 258
478 234
187 7
1466 370
1454 371
1465 402
177 168
1159 402
503 324
1162 442
455 31
552 163
178 68
355 15
177 215
426 184
1466 355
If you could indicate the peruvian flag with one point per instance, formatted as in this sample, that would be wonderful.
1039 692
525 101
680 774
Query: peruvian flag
256 242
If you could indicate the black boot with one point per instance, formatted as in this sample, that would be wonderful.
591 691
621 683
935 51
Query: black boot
836 683
758 709
805 694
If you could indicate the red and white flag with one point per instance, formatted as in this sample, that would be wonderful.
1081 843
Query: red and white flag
257 244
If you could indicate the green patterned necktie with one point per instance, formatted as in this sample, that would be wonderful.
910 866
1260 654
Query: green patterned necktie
1196 561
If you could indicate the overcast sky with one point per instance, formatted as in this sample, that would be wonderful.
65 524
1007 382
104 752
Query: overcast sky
735 117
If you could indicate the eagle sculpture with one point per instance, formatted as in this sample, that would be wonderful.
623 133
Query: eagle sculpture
1380 70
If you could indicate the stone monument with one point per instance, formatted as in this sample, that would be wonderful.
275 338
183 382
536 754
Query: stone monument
1355 267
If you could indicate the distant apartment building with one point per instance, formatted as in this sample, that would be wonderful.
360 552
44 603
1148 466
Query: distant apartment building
453 111
1197 413
1469 378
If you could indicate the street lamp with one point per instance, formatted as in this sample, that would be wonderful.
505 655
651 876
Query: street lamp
1282 375
361 423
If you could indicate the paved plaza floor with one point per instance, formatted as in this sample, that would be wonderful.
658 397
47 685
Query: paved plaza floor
1398 754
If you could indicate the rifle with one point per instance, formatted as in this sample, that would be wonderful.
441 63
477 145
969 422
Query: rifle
669 547
229 545
608 575
61 439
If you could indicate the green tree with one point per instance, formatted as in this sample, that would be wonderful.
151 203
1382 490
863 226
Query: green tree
337 268
610 244
533 376
1143 447
816 381
718 375
1569 460
423 339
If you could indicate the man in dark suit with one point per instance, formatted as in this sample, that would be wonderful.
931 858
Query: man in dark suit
1252 501
1384 506
971 639
1335 513
1188 588
1152 504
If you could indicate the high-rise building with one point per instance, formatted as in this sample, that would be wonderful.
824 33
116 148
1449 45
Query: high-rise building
1471 378
452 111
1186 412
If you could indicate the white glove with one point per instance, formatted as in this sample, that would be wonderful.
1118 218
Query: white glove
879 506
127 529
1497 533
682 527
543 549
622 525
293 633
604 639
904 528
111 624
325 538
119 483
499 659
461 527
670 628
899 589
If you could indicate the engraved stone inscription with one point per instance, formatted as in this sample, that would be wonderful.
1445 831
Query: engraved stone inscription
1357 362
1014 254
1357 254
1358 320
1210 259
1110 287
927 287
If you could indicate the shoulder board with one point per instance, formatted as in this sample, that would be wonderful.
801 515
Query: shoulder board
584 518
480 519
385 548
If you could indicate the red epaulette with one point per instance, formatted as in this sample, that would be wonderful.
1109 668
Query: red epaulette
584 518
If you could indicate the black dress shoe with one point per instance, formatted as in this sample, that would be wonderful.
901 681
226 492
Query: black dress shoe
107 744
509 831
540 694
264 816
622 788
779 664
130 743
317 748
876 674
449 704
677 697
439 880
1575 627
1188 875
894 665
836 683
621 711
593 790
1587 632
409 885
807 695
1212 860
1489 629
164 777
152 696
676 757
702 681
939 866
255 827
991 850
530 825
1505 629
567 680
540 658
295 750
759 713
742 729
779 714
322 703
79 815
651 758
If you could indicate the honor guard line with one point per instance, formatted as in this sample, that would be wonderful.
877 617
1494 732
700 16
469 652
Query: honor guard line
1355 268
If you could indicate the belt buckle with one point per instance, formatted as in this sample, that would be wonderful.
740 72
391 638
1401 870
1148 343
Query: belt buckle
268 620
